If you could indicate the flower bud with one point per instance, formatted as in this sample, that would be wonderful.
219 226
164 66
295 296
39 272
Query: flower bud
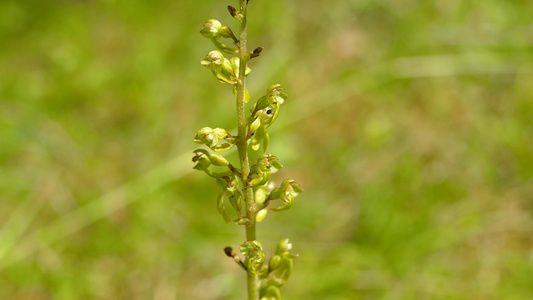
274 262
226 32
234 13
230 252
206 136
283 247
260 195
210 29
256 52
260 216
214 57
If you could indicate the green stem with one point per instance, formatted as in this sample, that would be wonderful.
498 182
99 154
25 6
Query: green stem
242 146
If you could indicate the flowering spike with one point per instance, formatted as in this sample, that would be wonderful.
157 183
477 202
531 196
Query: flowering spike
246 192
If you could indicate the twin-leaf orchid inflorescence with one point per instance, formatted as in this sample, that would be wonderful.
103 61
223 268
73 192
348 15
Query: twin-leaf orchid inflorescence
246 197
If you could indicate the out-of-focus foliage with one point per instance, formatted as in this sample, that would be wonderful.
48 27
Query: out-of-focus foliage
410 126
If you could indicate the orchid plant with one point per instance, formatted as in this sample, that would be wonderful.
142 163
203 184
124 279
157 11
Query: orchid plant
246 192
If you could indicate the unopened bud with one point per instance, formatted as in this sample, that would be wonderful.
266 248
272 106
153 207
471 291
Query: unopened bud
234 13
211 29
256 52
230 252
261 215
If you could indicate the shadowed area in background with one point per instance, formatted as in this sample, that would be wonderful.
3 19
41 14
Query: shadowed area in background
408 124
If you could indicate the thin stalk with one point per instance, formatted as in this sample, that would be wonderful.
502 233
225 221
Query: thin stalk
242 146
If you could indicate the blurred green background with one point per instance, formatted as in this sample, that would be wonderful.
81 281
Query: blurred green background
410 126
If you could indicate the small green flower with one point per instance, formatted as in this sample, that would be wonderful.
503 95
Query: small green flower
261 170
288 190
254 257
212 138
214 30
283 247
204 160
282 266
230 193
210 29
220 67
263 114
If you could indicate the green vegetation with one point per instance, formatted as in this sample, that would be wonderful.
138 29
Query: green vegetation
409 125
